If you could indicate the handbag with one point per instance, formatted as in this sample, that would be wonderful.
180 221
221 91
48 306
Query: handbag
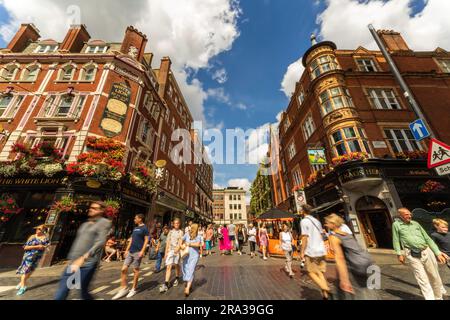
416 253
184 252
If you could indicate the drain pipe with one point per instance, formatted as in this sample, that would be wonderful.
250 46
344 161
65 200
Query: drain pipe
406 91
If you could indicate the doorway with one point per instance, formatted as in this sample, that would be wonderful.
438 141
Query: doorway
376 222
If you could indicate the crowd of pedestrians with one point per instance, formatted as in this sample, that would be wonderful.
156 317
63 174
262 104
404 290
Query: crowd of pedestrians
179 249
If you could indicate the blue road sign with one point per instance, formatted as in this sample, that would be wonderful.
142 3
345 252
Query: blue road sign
419 130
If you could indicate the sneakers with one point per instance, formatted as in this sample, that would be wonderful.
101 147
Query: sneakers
21 291
122 293
131 293
163 288
18 286
175 283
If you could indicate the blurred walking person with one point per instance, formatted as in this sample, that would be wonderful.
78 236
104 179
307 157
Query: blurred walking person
34 250
172 254
134 253
85 253
286 245
313 250
240 235
420 252
251 233
224 240
201 233
352 262
263 236
232 236
209 239
193 241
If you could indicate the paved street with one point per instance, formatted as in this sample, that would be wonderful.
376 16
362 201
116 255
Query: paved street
220 278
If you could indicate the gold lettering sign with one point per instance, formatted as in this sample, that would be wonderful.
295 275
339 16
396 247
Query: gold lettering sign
116 109
34 181
359 173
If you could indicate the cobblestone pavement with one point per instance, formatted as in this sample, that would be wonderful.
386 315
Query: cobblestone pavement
220 278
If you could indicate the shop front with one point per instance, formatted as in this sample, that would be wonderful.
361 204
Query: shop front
369 193
36 197
168 208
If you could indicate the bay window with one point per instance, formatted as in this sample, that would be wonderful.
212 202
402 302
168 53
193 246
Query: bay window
322 65
349 140
335 98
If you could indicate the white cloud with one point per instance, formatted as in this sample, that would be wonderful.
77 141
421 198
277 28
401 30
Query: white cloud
190 32
291 77
424 30
220 95
220 76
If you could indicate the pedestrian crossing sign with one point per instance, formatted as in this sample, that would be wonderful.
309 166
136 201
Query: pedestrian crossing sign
439 154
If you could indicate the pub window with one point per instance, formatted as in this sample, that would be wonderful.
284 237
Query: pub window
384 99
402 140
334 99
88 73
292 150
308 127
445 65
30 73
348 140
9 72
64 105
322 65
366 65
9 104
66 73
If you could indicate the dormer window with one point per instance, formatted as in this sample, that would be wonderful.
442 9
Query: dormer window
96 49
42 48
366 65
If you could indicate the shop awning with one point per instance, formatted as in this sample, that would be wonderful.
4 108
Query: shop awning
276 214
327 205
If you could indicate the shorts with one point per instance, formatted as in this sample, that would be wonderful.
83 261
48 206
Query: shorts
109 250
208 245
133 260
232 238
172 258
315 265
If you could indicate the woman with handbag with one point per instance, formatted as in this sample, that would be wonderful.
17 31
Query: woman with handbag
287 247
190 247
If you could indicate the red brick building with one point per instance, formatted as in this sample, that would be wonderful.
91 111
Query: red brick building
66 93
348 102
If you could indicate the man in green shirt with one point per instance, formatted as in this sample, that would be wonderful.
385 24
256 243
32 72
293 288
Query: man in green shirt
420 252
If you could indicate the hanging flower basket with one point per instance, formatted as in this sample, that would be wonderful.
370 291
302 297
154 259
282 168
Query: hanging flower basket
8 207
66 204
354 156
146 177
432 186
112 208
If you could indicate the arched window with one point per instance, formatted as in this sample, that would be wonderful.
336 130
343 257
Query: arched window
8 73
30 73
67 72
88 72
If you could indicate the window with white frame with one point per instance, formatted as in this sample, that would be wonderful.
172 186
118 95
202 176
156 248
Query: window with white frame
67 105
155 111
30 73
384 98
148 100
301 98
402 140
366 65
9 72
445 65
42 48
308 127
297 177
96 49
292 150
322 65
348 140
9 104
66 73
334 99
88 73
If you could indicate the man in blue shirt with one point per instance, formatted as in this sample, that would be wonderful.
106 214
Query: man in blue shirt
133 257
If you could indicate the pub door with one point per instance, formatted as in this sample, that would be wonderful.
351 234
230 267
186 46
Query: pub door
66 233
376 221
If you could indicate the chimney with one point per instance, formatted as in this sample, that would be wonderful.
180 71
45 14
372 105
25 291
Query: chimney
393 40
75 38
163 74
25 35
134 43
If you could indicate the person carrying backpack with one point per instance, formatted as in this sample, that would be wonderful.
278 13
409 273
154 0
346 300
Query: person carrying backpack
352 263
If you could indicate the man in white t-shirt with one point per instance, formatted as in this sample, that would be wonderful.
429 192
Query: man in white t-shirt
313 250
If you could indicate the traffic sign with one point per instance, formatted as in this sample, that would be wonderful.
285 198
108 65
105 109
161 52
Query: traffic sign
439 154
443 170
419 130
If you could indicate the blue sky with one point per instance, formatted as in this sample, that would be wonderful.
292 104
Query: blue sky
256 44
